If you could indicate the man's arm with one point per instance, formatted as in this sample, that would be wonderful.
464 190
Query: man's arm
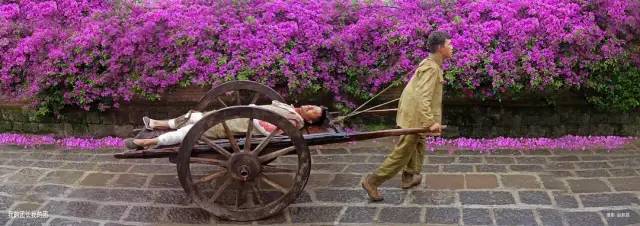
426 85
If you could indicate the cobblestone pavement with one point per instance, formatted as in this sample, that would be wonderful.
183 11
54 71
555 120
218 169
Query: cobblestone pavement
502 188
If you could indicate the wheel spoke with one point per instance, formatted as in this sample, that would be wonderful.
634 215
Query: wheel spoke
211 177
221 189
276 154
221 102
257 192
216 147
208 161
273 169
240 195
265 142
232 139
255 98
238 102
247 137
274 184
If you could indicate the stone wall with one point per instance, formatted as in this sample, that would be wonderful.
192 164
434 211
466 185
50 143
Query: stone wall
523 118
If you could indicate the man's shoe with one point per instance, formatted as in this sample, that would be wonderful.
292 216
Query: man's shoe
372 190
410 180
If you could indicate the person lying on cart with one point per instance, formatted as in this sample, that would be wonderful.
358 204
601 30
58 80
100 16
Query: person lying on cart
305 114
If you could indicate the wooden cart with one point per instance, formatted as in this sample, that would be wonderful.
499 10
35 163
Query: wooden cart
234 178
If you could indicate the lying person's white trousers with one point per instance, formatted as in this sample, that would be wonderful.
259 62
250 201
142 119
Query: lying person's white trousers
176 137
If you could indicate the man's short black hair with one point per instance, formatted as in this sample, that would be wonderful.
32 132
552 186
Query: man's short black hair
323 117
436 39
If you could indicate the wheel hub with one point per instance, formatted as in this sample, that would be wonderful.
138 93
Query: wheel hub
244 166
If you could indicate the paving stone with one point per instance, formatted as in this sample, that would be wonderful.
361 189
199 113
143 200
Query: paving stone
393 196
85 166
33 222
338 158
335 151
457 168
552 182
20 163
39 156
144 214
4 218
550 216
50 190
407 215
588 186
112 167
394 182
5 202
519 181
96 179
73 156
332 168
583 219
621 217
534 197
15 189
626 163
315 214
442 216
115 224
55 207
499 160
48 164
486 197
623 172
560 166
130 180
480 181
27 176
505 152
361 168
62 177
626 184
592 173
560 173
110 212
376 159
26 206
565 158
346 180
476 217
593 165
593 158
125 195
80 209
597 200
174 197
515 217
526 168
431 168
164 181
444 181
342 196
491 168
369 150
470 159
531 160
188 216
358 215
432 197
152 169
565 201
440 160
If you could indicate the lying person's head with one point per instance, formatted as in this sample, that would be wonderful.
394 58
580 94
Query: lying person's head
313 114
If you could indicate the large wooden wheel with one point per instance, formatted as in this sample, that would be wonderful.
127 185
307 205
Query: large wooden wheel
238 93
242 185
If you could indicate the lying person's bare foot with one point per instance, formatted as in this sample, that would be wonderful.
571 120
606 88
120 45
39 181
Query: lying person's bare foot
151 124
139 144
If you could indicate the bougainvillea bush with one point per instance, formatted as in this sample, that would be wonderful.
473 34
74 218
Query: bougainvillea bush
99 54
